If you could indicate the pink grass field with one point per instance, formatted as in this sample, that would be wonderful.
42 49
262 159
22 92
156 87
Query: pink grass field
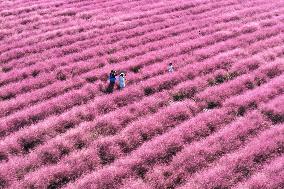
216 122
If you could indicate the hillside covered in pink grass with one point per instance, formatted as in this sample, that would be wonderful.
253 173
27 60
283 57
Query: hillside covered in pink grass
212 120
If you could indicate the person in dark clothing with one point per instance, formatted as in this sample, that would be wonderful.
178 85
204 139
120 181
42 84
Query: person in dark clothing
112 78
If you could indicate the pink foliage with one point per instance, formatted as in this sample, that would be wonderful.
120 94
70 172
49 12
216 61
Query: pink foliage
215 122
271 176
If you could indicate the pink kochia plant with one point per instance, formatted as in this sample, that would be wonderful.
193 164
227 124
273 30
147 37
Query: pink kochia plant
271 176
242 162
215 122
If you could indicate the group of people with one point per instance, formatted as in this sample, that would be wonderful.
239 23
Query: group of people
112 80
122 79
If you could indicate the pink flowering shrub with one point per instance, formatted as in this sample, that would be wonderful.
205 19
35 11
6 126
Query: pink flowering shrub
235 167
216 121
270 177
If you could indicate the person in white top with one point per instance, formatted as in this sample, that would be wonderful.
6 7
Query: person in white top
122 80
171 68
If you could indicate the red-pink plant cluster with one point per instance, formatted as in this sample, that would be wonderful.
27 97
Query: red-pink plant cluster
215 122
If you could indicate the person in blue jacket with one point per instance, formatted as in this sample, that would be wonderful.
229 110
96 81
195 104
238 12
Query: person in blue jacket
112 79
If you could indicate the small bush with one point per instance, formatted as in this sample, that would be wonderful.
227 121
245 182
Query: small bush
219 187
2 183
213 157
101 65
111 50
61 76
105 128
179 117
92 79
140 171
69 51
144 136
211 128
25 75
6 69
249 85
35 73
179 96
19 55
177 181
211 82
105 157
259 81
14 151
269 57
135 69
166 85
232 75
232 18
24 22
167 157
175 33
112 60
35 118
79 144
252 105
280 149
275 118
167 174
241 111
86 16
212 105
64 151
3 157
149 91
68 125
58 182
104 108
273 73
68 13
260 158
8 96
86 57
20 124
100 53
124 147
220 79
243 171
49 158
6 13
28 145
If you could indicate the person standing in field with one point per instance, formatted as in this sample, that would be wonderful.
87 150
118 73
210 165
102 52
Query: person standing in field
121 80
112 78
171 68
